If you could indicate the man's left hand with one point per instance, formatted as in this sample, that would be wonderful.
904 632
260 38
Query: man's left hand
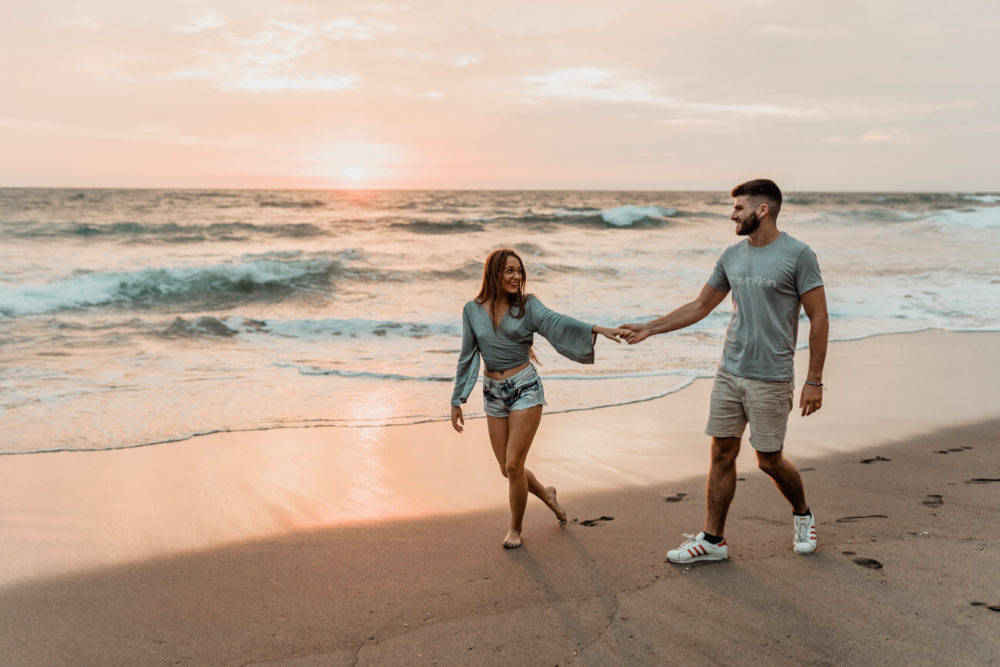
811 400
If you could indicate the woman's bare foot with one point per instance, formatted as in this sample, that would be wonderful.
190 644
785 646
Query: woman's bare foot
513 539
555 506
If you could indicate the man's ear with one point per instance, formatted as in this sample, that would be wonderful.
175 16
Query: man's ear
763 209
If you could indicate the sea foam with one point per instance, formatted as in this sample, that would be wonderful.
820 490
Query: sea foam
626 216
151 286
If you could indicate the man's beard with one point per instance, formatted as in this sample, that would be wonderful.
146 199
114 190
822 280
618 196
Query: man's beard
750 226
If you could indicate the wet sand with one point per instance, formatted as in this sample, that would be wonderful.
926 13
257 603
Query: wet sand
441 590
259 575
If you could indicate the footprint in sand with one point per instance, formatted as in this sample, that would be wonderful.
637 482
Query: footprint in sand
741 479
806 469
870 563
933 500
676 498
852 519
873 460
982 480
991 607
953 449
849 553
594 522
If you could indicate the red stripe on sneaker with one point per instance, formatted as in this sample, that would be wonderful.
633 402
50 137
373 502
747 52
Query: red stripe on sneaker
693 554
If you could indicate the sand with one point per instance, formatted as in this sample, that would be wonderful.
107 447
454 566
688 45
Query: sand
243 572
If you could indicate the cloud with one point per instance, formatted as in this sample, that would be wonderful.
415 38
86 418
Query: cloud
206 21
338 29
784 31
84 22
601 85
591 83
153 133
876 136
886 136
464 61
268 61
266 82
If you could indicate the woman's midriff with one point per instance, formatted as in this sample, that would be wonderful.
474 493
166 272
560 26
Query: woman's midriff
503 375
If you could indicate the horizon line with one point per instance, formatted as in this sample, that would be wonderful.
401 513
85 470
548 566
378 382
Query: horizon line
446 189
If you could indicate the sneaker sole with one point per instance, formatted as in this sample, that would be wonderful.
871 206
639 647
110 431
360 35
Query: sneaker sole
712 557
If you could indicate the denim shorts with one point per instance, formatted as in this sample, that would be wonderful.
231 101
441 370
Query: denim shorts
518 392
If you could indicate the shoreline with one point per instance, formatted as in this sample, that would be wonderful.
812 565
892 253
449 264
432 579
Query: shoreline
691 379
440 589
68 511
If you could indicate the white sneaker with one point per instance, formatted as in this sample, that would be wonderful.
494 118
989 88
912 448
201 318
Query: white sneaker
805 534
697 548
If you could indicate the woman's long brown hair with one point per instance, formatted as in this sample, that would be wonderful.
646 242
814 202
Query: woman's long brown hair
492 290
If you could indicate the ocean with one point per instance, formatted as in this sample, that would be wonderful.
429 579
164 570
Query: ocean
139 317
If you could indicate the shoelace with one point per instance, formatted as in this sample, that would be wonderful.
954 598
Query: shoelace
802 532
691 539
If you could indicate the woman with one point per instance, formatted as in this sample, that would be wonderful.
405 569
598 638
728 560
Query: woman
499 324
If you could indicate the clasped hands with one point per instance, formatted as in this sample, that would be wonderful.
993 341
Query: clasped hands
631 333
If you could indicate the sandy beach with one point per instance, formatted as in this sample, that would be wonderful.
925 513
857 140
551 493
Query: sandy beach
330 546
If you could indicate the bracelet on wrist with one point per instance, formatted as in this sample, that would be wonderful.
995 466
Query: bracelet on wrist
814 384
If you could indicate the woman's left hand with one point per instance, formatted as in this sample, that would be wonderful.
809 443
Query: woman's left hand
610 333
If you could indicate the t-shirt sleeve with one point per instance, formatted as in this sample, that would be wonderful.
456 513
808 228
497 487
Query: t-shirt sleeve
719 280
807 275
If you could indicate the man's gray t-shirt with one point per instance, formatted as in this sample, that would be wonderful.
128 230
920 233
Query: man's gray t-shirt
766 283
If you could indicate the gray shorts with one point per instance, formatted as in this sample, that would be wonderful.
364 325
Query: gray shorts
765 405
518 392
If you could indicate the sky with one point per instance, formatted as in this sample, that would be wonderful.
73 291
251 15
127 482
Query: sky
899 95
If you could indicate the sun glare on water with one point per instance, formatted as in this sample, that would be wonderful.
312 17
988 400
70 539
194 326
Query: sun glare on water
355 173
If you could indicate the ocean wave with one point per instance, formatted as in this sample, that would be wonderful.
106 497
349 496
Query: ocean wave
211 326
431 227
290 203
628 215
617 217
159 232
985 199
156 286
982 217
875 214
346 327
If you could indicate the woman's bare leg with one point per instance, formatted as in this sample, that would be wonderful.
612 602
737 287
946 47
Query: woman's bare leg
499 431
521 425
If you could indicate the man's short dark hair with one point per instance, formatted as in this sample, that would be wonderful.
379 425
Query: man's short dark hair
761 187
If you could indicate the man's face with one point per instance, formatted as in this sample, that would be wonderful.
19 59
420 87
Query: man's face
745 215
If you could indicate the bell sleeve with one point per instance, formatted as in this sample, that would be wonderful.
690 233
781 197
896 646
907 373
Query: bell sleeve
570 337
468 363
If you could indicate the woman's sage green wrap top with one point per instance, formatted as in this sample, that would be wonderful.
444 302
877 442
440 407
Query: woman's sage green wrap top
509 344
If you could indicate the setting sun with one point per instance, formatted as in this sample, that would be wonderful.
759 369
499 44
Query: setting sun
355 173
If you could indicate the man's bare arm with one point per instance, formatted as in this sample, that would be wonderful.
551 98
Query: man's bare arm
686 315
814 303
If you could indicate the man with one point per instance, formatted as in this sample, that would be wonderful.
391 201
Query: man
771 275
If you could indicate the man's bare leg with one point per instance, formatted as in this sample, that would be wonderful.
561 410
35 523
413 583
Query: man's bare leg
786 477
721 484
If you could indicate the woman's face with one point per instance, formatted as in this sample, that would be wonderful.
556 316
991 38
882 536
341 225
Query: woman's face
512 276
